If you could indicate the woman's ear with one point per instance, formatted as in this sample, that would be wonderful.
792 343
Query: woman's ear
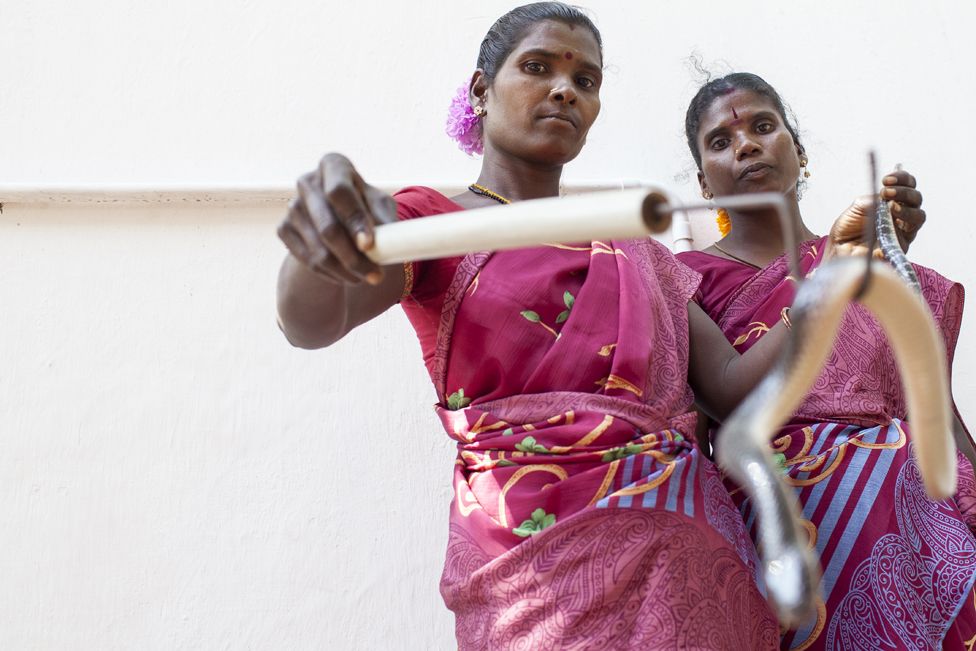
703 184
478 90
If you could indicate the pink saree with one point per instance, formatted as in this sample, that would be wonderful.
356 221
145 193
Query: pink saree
583 515
898 568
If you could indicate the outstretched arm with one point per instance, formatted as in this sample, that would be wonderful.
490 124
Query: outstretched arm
327 286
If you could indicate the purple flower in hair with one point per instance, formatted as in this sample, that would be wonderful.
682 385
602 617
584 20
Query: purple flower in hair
462 123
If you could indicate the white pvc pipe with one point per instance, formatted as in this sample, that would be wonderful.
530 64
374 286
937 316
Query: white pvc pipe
625 214
681 233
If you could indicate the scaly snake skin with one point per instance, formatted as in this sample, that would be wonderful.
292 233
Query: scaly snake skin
888 241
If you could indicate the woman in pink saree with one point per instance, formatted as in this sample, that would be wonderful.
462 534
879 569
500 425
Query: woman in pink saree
583 513
898 568
584 516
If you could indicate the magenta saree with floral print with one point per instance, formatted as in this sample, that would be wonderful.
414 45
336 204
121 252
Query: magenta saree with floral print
898 567
583 515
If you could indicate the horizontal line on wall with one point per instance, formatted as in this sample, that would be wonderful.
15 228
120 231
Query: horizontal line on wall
122 196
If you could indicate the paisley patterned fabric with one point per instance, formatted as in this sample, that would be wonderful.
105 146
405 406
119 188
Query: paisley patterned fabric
605 579
898 568
583 515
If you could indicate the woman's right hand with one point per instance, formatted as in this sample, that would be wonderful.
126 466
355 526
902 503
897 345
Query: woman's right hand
905 204
330 222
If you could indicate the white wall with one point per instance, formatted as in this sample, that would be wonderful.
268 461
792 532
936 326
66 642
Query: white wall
172 474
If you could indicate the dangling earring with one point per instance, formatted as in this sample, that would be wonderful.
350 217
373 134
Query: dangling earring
803 166
707 195
479 110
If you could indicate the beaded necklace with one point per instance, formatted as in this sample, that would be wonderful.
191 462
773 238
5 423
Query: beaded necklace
485 192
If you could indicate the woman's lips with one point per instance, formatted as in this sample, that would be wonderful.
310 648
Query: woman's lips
559 117
755 170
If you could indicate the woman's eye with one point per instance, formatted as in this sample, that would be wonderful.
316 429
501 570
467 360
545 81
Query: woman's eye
764 127
586 82
719 143
534 66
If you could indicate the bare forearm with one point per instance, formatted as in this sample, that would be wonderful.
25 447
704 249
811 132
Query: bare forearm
719 375
311 310
745 371
315 312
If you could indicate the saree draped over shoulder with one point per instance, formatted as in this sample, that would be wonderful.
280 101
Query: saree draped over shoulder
898 567
583 516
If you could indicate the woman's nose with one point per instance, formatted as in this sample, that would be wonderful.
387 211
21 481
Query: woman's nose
745 147
563 92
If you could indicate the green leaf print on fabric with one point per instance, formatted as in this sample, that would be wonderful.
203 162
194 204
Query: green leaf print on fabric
780 459
505 463
528 445
619 453
569 300
540 520
457 400
508 432
562 317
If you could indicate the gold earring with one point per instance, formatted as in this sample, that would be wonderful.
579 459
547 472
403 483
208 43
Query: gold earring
479 110
803 166
707 195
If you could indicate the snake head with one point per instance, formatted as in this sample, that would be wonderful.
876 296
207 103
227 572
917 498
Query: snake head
792 580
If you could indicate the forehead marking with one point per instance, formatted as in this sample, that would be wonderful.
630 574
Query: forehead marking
569 56
735 118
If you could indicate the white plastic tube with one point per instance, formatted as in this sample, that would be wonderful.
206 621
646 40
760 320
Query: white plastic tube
607 215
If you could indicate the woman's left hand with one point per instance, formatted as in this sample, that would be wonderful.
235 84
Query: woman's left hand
905 204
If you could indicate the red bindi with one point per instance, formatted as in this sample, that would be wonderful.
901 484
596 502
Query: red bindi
569 56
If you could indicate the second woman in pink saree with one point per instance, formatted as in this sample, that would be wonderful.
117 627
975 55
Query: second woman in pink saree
898 568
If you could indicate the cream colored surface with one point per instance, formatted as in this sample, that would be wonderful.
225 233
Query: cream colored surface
616 214
172 474
175 476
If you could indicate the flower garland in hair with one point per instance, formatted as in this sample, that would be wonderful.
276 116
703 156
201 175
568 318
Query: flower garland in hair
723 221
463 124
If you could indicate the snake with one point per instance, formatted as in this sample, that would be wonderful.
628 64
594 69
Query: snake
888 242
890 290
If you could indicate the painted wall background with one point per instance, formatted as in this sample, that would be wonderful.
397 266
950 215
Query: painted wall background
172 474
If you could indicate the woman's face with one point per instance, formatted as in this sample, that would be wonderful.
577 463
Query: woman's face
545 95
746 147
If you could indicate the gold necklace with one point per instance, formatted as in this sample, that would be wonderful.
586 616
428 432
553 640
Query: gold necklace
735 257
485 192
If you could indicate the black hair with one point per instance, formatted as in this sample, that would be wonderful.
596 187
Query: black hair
508 30
716 88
